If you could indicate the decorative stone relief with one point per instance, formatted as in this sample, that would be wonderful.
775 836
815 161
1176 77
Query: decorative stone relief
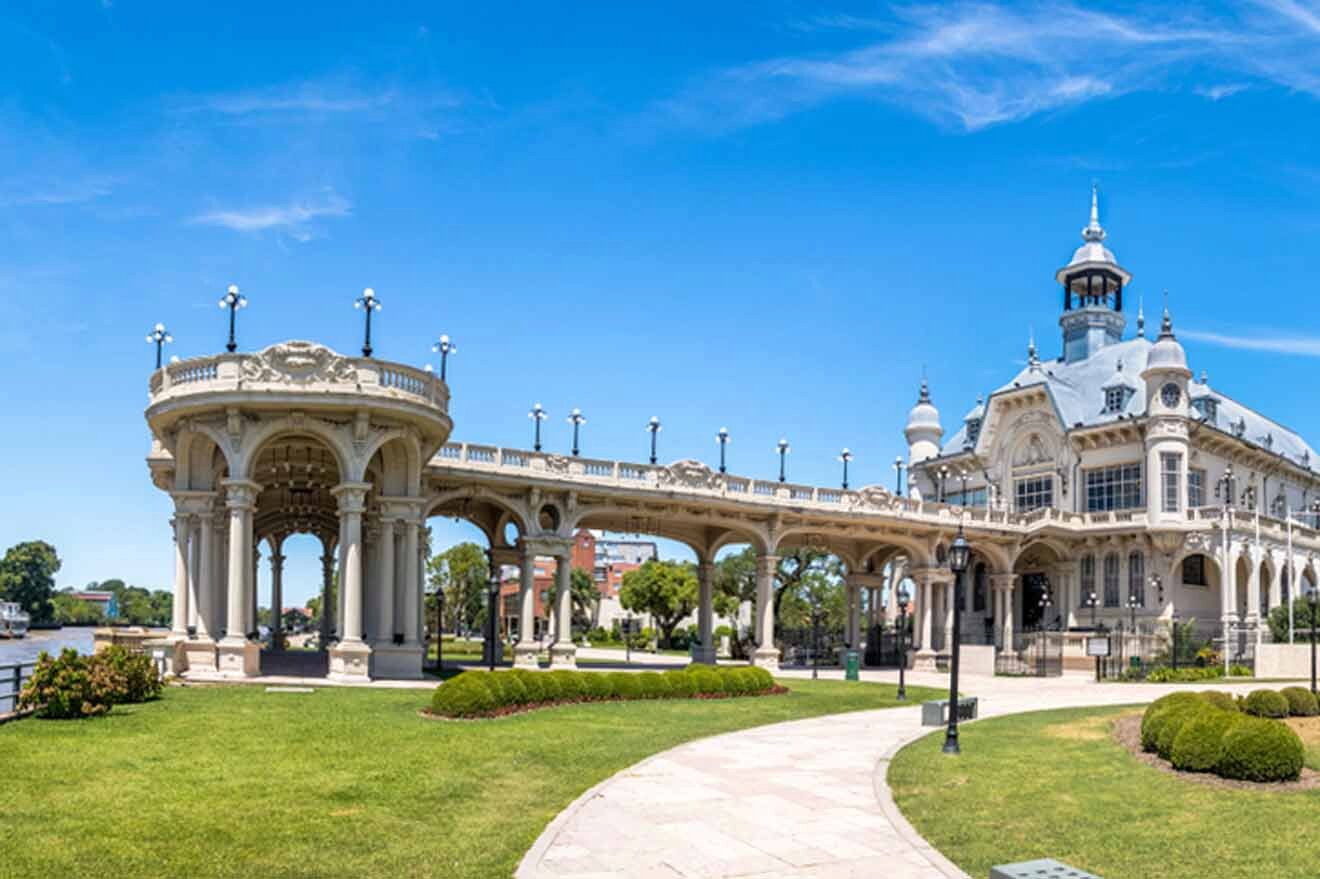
556 463
689 474
299 363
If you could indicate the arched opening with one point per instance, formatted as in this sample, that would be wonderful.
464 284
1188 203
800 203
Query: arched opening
1044 594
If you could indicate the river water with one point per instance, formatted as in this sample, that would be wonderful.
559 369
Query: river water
26 650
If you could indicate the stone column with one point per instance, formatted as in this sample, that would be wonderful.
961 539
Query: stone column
766 654
705 652
412 590
179 609
1276 587
194 573
220 584
896 572
1253 588
385 585
276 597
927 580
564 653
327 606
525 651
206 588
350 658
235 654
339 593
950 596
1002 584
253 620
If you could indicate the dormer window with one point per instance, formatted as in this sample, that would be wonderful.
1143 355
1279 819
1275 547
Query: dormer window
1207 407
1116 397
973 431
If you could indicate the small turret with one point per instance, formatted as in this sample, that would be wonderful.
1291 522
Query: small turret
923 429
1093 283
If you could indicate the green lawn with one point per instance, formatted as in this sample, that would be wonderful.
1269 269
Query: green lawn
1056 784
235 781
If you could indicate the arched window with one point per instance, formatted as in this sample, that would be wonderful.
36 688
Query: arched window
1111 580
1087 579
1137 578
980 586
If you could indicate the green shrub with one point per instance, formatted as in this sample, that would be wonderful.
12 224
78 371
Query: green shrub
1163 674
533 682
653 685
1156 714
626 685
598 686
128 677
1175 718
681 685
467 695
66 688
1266 703
1199 745
1257 749
705 680
514 692
1301 701
763 679
1220 699
1240 671
552 689
571 686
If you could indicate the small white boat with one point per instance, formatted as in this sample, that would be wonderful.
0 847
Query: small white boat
13 620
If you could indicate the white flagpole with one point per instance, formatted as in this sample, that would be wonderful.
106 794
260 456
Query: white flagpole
1292 577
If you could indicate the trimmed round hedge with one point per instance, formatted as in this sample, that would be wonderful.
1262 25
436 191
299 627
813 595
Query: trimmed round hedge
1199 744
1258 749
481 693
1301 702
1158 714
1266 703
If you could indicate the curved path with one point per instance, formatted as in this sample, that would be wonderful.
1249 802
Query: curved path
806 798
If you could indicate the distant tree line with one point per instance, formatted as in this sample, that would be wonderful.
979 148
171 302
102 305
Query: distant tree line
27 576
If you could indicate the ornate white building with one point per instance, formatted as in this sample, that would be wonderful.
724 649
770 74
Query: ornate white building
1096 484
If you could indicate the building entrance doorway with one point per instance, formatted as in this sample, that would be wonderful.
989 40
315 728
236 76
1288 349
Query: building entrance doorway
1037 602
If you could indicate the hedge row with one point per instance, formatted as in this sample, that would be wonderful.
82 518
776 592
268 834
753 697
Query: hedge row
486 693
1206 732
1163 674
75 686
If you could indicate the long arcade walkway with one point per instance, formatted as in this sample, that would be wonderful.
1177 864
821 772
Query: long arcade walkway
806 798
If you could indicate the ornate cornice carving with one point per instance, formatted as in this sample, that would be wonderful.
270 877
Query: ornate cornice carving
299 363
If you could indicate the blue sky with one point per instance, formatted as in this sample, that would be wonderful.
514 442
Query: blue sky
761 215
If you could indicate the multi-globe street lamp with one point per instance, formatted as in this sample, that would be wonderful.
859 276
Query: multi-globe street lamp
653 427
368 303
537 415
233 301
782 446
445 347
723 439
944 476
160 337
898 475
1134 602
577 419
960 553
1091 601
845 456
903 597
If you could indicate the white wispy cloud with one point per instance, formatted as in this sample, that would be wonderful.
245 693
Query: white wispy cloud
974 65
57 190
1305 346
293 217
304 97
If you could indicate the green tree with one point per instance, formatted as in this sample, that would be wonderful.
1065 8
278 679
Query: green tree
27 576
666 590
1302 621
461 572
586 595
74 611
801 576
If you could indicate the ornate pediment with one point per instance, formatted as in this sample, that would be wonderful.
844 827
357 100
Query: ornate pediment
299 363
689 474
877 497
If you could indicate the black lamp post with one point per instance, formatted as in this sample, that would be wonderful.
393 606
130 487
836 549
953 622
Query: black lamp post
723 439
368 303
1312 598
537 415
962 475
233 301
653 427
1092 602
496 648
960 553
898 475
845 456
1044 605
815 639
1134 602
445 347
577 419
160 337
944 475
903 597
782 445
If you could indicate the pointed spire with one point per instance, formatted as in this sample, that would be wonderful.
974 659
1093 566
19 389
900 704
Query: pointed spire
1033 361
1094 231
1166 324
1205 377
1141 317
924 396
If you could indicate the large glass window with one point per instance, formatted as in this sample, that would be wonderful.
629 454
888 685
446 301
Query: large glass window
1034 493
1195 487
1113 488
1170 471
1137 578
1087 579
1111 580
973 497
1193 570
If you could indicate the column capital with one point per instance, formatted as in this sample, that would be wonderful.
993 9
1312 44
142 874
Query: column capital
931 576
352 496
277 559
408 509
551 546
1002 582
767 564
241 494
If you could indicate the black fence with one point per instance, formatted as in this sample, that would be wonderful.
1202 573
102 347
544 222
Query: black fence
1190 643
1039 654
807 646
882 648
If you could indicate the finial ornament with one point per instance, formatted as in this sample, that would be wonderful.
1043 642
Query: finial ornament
1033 361
924 396
1094 231
1166 324
1141 317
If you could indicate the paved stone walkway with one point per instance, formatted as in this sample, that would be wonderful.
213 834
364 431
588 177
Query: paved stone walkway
806 798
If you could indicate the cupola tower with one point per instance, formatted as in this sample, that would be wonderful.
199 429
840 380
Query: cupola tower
1093 285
